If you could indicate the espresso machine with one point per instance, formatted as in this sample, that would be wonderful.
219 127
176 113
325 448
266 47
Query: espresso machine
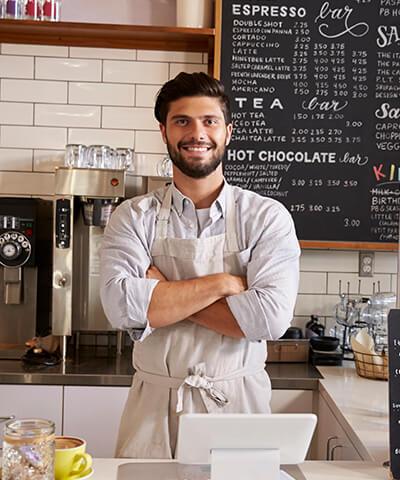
83 202
25 270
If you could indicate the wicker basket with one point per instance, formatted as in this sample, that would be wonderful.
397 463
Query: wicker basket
372 366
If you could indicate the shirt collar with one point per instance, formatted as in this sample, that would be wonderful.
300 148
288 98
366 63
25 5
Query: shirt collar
218 207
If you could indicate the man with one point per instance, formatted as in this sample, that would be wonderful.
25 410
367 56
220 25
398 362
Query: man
201 274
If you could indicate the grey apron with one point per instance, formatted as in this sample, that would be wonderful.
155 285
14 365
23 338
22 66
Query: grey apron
186 367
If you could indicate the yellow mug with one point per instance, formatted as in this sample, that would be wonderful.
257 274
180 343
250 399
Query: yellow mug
71 461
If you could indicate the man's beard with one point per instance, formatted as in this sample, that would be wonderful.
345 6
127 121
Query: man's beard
196 169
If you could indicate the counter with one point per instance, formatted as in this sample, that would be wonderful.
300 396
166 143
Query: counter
362 407
98 366
106 469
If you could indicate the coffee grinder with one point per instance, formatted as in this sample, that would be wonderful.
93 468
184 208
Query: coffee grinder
25 270
83 202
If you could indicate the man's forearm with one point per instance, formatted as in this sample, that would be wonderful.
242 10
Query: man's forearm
174 301
218 317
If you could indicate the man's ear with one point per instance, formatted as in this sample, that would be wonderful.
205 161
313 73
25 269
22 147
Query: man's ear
229 129
163 132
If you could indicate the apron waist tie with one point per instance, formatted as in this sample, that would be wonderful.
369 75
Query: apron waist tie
213 398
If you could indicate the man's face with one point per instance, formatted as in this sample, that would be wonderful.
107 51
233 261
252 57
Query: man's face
196 135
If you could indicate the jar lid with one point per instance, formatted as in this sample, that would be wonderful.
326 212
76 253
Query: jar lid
29 428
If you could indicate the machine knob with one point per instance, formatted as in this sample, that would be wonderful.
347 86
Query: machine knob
10 250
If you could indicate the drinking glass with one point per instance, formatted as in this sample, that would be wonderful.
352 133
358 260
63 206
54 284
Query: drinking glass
51 10
98 156
75 155
124 159
14 9
28 450
164 167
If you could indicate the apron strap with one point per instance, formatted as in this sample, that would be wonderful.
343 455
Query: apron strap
163 215
213 398
231 240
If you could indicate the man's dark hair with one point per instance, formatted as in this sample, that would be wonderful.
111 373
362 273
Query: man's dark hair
190 85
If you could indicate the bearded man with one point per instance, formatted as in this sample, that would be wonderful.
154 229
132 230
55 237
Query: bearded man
201 274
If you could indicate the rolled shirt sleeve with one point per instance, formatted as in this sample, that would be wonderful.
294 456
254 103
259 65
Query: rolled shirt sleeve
265 310
125 258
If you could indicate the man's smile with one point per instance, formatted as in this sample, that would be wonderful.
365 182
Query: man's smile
199 148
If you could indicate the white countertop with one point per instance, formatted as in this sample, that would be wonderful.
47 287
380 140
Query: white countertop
362 407
106 469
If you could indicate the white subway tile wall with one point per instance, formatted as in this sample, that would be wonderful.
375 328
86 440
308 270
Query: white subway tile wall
101 94
16 67
67 115
12 113
33 91
135 72
52 95
146 95
72 69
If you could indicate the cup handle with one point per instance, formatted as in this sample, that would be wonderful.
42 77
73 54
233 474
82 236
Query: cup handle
81 466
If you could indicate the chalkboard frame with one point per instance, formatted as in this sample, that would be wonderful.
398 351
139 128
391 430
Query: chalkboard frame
305 244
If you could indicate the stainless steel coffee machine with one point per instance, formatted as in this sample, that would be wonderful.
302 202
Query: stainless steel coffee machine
25 270
83 202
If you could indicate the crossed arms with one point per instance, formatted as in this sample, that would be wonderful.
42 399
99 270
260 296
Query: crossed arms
136 298
201 299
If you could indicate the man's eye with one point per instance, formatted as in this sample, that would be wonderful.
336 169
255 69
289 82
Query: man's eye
181 121
211 121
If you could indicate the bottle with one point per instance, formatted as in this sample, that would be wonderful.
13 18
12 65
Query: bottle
14 9
51 10
33 10
28 449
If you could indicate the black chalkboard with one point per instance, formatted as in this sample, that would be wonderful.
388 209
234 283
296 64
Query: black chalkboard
394 391
315 91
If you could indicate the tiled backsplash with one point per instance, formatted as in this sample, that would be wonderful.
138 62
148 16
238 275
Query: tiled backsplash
51 95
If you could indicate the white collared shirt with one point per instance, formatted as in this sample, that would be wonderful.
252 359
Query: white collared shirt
264 226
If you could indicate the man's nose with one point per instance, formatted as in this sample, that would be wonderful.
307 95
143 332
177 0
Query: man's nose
198 131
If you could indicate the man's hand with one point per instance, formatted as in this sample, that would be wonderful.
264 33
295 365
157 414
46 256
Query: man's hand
235 284
154 273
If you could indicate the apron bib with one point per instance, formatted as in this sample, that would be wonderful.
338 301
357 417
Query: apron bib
186 367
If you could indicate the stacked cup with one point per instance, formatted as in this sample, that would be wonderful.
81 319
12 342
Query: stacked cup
98 156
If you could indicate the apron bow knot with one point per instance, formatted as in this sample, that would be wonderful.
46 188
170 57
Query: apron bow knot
198 379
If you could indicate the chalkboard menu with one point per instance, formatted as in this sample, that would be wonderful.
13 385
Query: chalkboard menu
315 91
394 391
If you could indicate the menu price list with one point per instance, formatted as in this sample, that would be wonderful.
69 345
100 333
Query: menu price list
315 90
394 391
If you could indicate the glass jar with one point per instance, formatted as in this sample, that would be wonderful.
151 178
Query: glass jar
51 10
14 9
33 9
28 450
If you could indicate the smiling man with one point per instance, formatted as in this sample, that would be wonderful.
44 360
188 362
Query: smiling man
200 273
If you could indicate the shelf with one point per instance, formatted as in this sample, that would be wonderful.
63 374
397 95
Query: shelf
104 35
